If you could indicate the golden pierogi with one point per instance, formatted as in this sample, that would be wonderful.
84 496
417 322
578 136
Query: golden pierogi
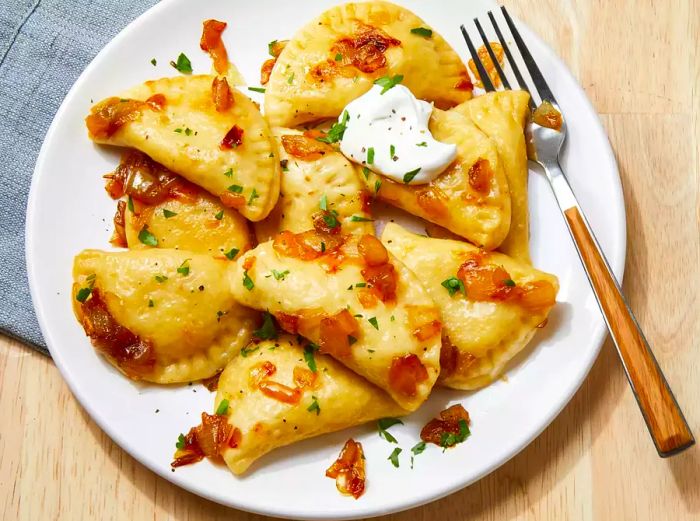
491 305
160 315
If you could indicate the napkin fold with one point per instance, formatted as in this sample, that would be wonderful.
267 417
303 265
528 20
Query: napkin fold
44 46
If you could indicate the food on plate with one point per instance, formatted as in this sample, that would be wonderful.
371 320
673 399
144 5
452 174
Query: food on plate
199 128
163 316
318 183
283 390
450 429
502 117
157 208
336 58
353 299
491 305
470 198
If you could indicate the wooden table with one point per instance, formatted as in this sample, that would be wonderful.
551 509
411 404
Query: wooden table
640 64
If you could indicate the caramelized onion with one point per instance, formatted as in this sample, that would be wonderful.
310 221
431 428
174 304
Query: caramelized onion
547 116
260 372
334 333
480 175
119 236
232 200
280 392
365 49
108 116
484 281
405 373
304 378
266 70
221 94
212 43
448 423
290 323
424 320
372 250
305 148
383 280
307 245
349 470
232 139
209 439
433 201
145 180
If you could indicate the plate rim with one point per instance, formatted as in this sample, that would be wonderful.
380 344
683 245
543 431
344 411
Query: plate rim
598 334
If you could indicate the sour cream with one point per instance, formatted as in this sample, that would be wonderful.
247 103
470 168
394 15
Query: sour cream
388 133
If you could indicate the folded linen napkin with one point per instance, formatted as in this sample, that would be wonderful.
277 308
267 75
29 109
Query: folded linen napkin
44 46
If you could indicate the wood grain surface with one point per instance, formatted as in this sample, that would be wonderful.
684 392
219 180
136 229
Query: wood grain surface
639 62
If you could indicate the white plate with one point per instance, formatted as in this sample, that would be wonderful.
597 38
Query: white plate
68 211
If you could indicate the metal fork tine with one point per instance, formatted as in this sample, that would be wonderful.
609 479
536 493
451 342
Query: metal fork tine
485 80
511 59
494 60
539 81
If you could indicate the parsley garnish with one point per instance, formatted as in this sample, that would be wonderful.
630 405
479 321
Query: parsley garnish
236 189
184 268
218 216
229 172
222 409
366 172
383 424
247 281
83 294
280 275
151 303
267 330
253 196
422 31
290 79
257 89
392 151
153 62
387 82
323 247
147 237
335 133
331 220
180 444
231 253
408 176
285 162
168 214
351 339
418 448
161 278
377 185
449 439
178 130
453 285
394 457
374 322
360 219
509 282
360 284
188 131
130 204
314 406
309 351
422 144
183 64
370 156
338 57
323 203
246 351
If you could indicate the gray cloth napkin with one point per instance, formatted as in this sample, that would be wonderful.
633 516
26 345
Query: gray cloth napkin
44 46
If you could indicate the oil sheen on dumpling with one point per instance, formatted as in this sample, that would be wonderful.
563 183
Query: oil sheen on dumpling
159 315
315 175
229 153
272 391
336 58
502 117
365 309
470 198
505 302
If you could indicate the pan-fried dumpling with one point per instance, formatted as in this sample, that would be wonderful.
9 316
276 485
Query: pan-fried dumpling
471 197
360 305
276 399
502 117
313 170
159 315
491 305
230 153
336 58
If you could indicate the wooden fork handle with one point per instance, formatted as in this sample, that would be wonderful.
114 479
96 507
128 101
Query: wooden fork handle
663 416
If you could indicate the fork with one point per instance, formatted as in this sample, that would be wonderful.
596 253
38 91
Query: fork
664 418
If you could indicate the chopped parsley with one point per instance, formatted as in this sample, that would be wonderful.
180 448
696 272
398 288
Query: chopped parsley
335 133
130 204
366 172
83 294
236 189
360 219
370 156
408 176
290 79
394 457
151 303
509 282
178 130
449 439
161 278
453 285
218 216
314 406
338 57
222 409
168 214
253 196
309 351
184 268
153 62
188 131
418 448
360 284
284 164
257 89
392 151
351 339
422 144
330 219
183 64
323 203
388 82
229 172
180 444
147 237
377 185
383 424
247 281
267 330
280 275
374 322
245 351
231 253
422 31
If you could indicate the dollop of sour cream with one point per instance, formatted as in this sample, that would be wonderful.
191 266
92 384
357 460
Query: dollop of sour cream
388 133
